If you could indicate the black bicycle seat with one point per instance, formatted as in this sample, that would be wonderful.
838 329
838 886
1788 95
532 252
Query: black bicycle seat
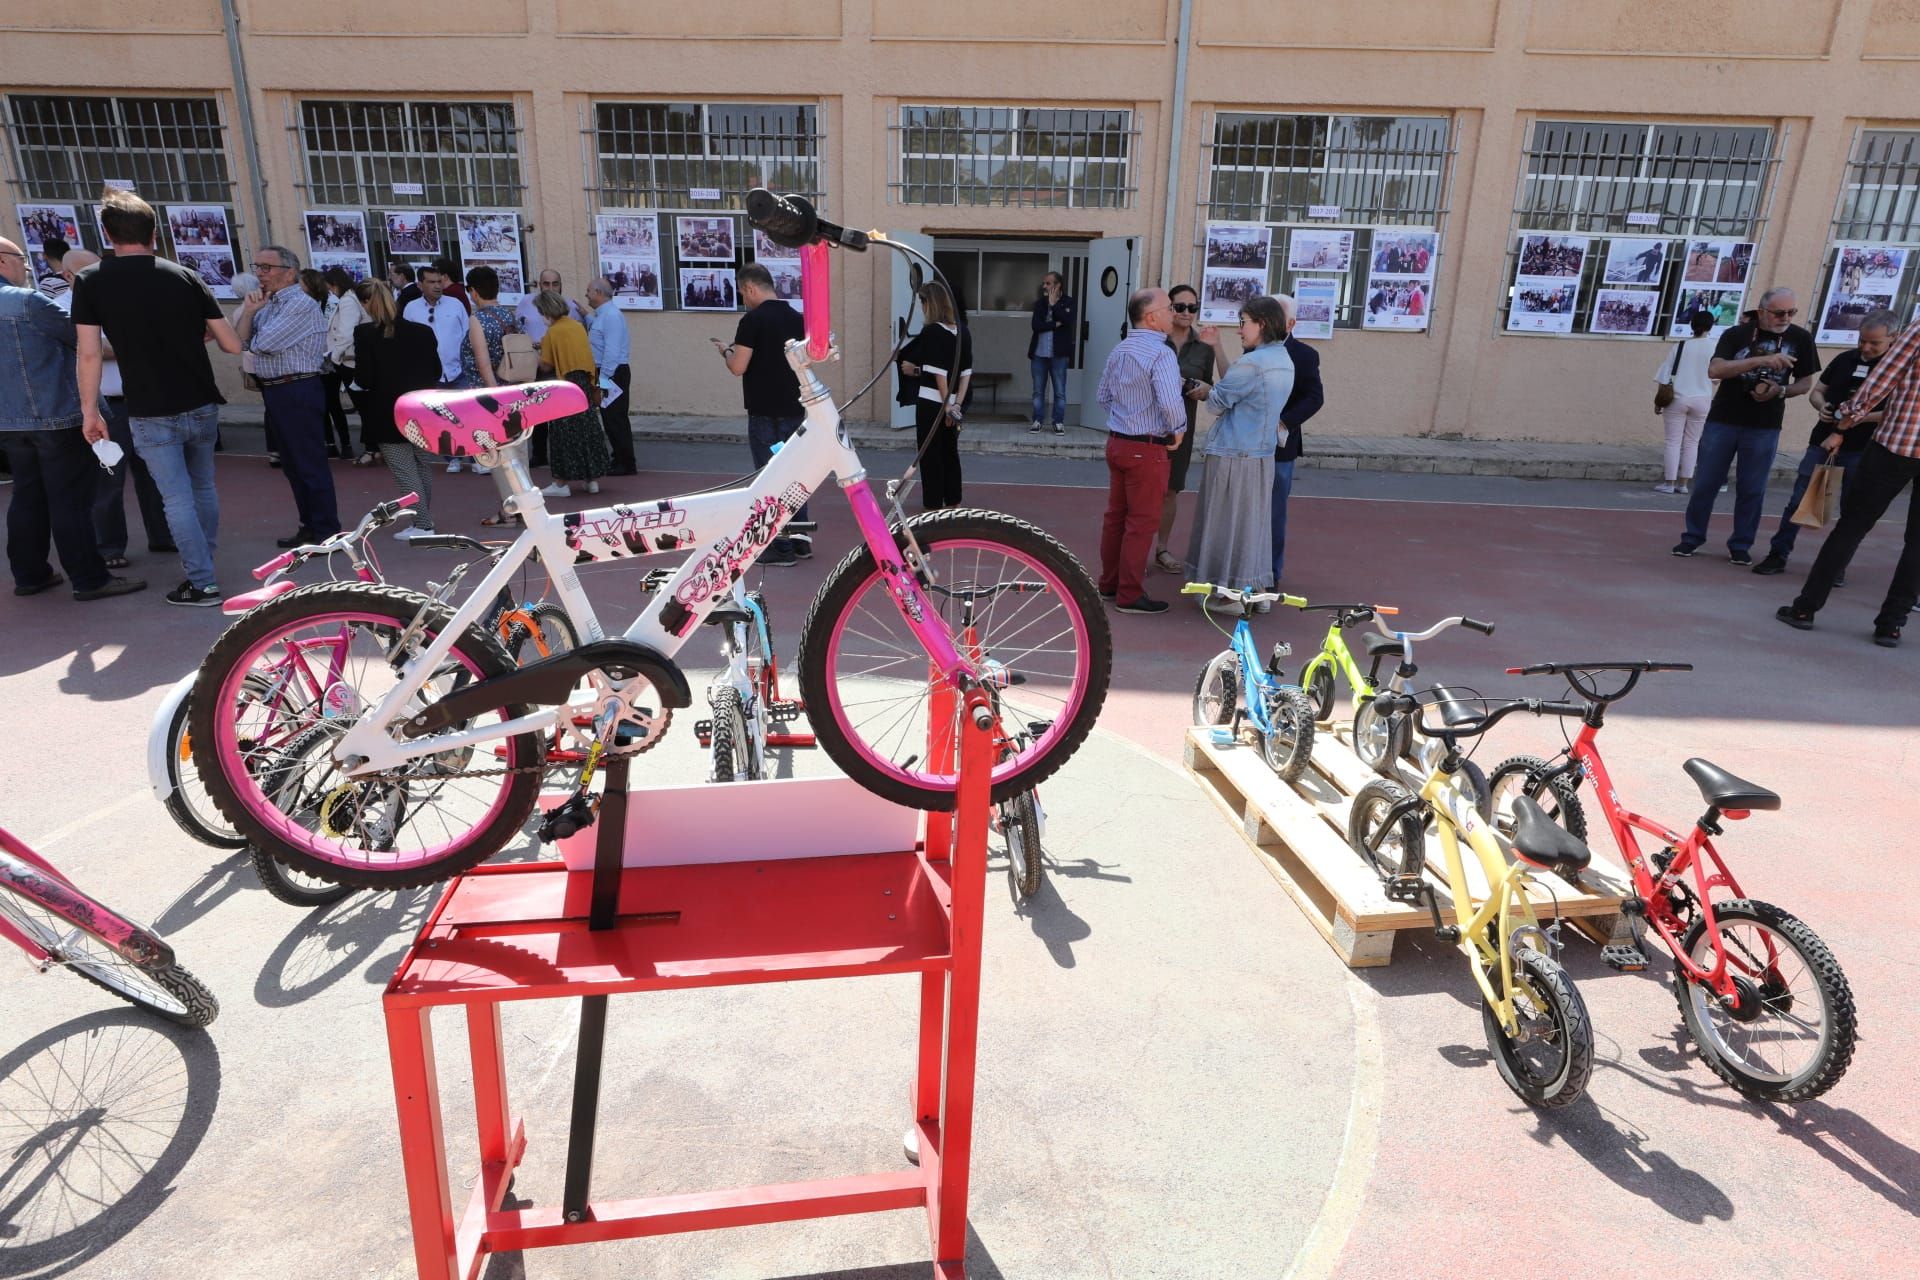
1378 646
1723 790
1540 840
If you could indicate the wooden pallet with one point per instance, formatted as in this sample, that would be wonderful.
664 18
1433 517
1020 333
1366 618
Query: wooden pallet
1299 832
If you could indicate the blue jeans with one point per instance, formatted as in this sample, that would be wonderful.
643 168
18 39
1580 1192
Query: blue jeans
178 451
300 419
762 434
1282 487
1720 444
1789 532
1054 368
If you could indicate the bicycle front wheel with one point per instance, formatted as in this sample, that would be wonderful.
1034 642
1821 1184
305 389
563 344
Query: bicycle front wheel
188 804
1319 684
1390 848
1789 1032
1289 746
868 686
431 819
164 989
1550 1057
1520 776
1378 740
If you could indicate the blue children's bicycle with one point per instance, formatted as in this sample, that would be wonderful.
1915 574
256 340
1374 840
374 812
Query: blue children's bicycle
1240 689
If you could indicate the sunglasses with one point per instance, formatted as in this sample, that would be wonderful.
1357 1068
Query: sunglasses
1186 308
1788 314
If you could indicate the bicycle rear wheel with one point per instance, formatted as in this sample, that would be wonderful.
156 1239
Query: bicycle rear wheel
1319 685
188 804
165 989
424 823
867 683
1216 695
734 757
299 782
1020 828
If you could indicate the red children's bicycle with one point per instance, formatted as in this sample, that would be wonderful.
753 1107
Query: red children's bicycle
1760 993
46 916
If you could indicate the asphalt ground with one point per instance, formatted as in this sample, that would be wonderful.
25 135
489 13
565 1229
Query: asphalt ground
1178 1077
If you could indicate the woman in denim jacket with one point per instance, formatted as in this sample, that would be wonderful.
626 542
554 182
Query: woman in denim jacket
1232 532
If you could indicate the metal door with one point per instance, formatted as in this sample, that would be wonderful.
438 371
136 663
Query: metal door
908 275
1112 266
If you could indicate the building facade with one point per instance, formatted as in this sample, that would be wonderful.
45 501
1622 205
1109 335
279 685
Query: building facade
1501 206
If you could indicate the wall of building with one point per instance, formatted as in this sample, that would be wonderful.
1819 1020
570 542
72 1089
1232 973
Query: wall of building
1813 70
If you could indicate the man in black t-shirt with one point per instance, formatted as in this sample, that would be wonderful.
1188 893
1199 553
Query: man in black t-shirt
1836 386
1760 363
758 357
159 317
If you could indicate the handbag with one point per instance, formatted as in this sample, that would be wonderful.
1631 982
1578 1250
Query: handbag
519 362
1823 495
1663 393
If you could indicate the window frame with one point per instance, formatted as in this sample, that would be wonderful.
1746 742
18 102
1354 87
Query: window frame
1115 130
1847 228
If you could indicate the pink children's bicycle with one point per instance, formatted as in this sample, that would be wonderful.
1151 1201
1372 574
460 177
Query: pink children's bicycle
47 916
441 752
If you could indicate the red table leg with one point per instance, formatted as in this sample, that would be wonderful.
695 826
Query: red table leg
423 1152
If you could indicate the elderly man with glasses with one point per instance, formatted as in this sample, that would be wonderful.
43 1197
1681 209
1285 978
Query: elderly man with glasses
532 323
286 330
1761 363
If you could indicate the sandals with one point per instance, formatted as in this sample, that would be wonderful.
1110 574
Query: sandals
117 562
497 521
1167 563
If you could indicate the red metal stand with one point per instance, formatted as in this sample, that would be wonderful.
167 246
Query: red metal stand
614 931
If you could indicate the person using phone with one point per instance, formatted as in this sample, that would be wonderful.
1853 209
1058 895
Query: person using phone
1056 322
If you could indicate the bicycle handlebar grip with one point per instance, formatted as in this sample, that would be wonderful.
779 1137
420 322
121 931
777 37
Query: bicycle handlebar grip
1484 628
1298 602
406 500
273 566
1197 589
1384 610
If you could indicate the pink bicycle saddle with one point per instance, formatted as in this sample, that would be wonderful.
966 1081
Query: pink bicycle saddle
477 422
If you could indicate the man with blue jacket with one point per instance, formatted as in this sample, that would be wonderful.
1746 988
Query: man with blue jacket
53 476
1056 322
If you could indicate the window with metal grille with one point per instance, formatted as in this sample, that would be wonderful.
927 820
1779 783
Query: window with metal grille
1879 205
169 150
699 160
1306 172
394 154
1669 182
1030 157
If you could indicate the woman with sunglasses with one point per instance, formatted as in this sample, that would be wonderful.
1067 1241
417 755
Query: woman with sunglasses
1201 363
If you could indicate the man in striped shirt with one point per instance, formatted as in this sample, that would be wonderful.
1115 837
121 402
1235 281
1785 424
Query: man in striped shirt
1891 462
286 331
1146 417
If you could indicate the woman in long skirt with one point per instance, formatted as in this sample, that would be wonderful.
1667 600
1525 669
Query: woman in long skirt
577 447
1232 542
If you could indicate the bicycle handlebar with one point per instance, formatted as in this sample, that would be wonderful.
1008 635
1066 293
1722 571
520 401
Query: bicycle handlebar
1244 595
1563 668
1412 637
382 513
1390 703
1364 610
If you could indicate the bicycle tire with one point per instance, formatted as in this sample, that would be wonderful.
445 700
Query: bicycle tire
1216 694
1320 691
1377 740
282 782
243 802
1519 775
1826 1067
1374 842
556 628
944 536
1288 749
733 757
164 989
1020 828
1558 1000
186 803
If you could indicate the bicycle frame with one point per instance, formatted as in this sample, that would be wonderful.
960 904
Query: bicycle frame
1253 675
36 879
1487 932
1335 653
1692 852
726 530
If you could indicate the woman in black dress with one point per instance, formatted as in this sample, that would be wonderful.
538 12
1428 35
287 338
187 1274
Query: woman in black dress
940 356
391 357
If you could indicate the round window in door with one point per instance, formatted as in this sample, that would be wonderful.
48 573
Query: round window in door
1109 282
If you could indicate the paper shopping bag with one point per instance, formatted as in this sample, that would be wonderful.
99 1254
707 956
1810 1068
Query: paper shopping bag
1822 498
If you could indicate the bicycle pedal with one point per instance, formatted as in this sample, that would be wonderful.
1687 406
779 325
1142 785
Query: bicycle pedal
703 730
783 712
1404 888
1626 957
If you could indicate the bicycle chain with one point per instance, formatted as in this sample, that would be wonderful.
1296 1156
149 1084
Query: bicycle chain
664 721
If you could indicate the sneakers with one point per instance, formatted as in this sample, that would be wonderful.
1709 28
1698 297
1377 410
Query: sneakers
298 538
780 555
802 544
1666 486
411 532
1774 563
193 597
1685 550
114 587
1059 428
1887 637
453 466
1143 605
1106 594
1739 558
1798 619
1037 427
556 490
593 486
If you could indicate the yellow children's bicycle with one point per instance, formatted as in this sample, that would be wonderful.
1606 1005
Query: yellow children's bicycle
1536 1023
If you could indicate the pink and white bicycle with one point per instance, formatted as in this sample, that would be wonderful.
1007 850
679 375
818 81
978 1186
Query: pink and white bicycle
431 780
